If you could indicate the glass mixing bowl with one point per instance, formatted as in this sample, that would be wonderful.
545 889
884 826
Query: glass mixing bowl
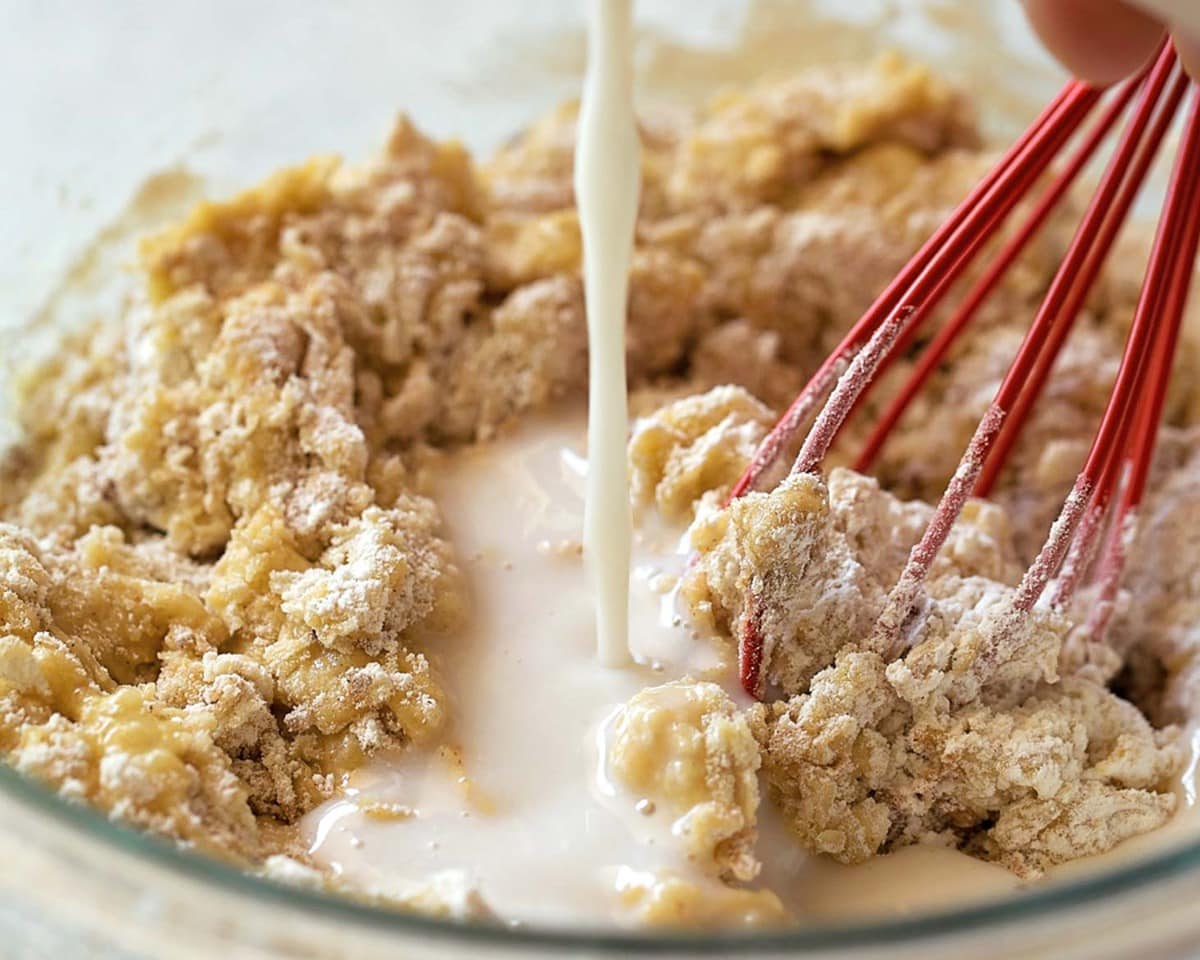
123 114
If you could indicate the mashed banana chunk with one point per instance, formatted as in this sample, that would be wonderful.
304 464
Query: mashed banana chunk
684 750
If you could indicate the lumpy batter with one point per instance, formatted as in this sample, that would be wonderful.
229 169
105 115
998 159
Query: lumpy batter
234 573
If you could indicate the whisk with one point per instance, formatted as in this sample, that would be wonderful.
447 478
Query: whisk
1089 539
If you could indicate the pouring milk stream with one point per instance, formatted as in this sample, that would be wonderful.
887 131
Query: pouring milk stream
606 193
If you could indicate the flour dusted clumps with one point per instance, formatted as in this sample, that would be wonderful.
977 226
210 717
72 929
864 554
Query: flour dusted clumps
971 737
222 570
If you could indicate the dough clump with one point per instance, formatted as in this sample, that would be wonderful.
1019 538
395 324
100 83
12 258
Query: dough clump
220 564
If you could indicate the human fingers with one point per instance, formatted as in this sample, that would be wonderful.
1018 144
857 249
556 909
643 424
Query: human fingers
1100 41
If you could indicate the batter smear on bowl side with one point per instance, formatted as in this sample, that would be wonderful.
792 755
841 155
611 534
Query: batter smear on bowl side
285 577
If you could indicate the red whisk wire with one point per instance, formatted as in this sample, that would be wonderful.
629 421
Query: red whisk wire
1083 545
1051 323
1111 206
1065 112
934 353
1160 370
1159 293
936 278
1049 316
1123 445
1180 251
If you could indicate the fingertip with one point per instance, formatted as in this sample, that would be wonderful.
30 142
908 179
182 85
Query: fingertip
1100 42
1187 45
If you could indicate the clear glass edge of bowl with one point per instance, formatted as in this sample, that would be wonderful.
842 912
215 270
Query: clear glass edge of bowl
809 939
822 937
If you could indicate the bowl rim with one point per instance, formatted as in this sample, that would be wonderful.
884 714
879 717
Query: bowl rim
807 940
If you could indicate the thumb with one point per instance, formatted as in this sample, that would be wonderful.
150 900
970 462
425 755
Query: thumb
1100 41
1187 44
